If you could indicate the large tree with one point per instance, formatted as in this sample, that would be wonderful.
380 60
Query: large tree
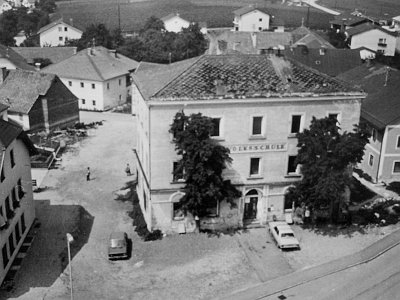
326 155
202 161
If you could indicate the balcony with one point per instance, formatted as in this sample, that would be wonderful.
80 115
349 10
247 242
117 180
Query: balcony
382 45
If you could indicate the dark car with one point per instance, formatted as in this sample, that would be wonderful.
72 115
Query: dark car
118 247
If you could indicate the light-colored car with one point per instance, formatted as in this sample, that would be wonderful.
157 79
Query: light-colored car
118 245
283 235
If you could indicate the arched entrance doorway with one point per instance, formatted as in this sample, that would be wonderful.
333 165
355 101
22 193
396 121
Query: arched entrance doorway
250 205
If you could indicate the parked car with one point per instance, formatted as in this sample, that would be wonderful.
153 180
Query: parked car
283 235
118 245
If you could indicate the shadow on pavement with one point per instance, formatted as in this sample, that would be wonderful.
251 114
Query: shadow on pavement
335 230
47 258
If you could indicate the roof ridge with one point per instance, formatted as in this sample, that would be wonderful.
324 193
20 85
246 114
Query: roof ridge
178 75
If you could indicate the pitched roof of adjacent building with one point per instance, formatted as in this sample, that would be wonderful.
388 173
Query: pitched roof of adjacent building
381 106
367 27
347 19
55 23
329 61
236 77
14 58
21 89
246 9
55 54
304 36
97 64
171 16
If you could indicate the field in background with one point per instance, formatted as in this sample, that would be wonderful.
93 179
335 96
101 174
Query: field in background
389 7
133 14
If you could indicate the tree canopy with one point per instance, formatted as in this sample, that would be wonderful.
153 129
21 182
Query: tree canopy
202 161
154 44
325 155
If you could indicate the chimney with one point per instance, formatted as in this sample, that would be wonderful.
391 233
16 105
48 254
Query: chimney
3 74
37 66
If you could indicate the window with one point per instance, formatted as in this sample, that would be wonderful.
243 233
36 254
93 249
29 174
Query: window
260 28
254 166
398 142
12 158
23 226
216 127
20 189
119 81
374 134
108 85
292 165
70 83
260 19
83 101
11 243
178 174
371 160
82 85
93 86
17 233
60 38
396 167
381 51
211 208
257 126
296 124
2 177
333 116
144 200
5 256
65 28
120 97
94 102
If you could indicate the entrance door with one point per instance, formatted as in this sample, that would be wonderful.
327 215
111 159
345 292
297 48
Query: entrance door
250 207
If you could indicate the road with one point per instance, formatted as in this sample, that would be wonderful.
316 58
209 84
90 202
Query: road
378 279
320 7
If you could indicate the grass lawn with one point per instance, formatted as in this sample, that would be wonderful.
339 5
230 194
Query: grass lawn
134 14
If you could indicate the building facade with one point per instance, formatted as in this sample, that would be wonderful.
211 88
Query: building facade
99 77
251 19
17 211
58 33
174 23
258 103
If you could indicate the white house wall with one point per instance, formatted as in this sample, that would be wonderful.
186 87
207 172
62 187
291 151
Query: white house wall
251 21
21 119
176 24
370 40
21 170
52 36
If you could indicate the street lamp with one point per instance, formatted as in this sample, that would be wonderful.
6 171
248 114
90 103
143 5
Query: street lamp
70 239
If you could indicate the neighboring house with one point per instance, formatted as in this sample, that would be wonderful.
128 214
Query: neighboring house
373 37
4 6
17 210
39 102
251 19
20 38
258 103
381 111
10 60
346 21
54 54
226 41
174 23
28 3
306 37
395 23
58 33
329 61
99 77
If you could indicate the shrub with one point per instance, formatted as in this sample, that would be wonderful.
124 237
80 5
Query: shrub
394 186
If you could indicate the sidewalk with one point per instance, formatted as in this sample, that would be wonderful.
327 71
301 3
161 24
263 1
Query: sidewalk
300 277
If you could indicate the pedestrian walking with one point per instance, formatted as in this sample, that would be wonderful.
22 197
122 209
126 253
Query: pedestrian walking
128 170
88 174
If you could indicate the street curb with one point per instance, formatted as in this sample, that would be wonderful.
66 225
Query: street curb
246 294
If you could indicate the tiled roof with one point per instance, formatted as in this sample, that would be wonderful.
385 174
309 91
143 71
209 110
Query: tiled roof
367 27
242 76
14 58
348 20
55 54
8 133
329 61
55 23
304 36
382 105
247 9
268 39
96 64
21 89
